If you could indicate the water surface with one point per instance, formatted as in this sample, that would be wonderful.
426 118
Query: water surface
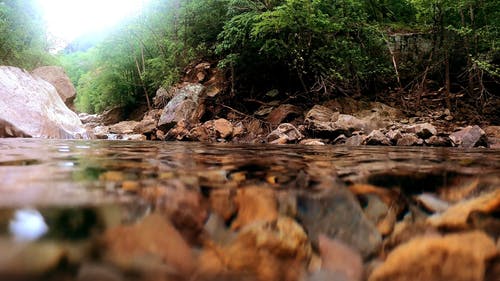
55 192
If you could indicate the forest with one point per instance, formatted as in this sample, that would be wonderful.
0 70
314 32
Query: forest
304 50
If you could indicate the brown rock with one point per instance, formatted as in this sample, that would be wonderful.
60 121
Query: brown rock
274 250
255 204
222 202
424 130
339 258
493 136
457 215
283 113
408 140
29 259
223 127
438 141
312 142
468 137
113 115
355 140
56 76
376 137
285 133
124 127
147 245
459 257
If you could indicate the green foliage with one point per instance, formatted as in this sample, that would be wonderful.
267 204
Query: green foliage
22 35
329 47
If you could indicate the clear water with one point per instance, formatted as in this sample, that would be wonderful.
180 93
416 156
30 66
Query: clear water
67 192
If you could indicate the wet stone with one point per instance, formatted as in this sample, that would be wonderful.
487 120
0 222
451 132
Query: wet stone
459 257
337 214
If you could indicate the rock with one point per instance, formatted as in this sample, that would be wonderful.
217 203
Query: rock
153 243
376 137
113 115
459 257
323 121
424 130
408 140
468 137
355 140
255 204
493 136
438 141
8 130
285 133
457 216
30 106
223 127
275 250
133 137
311 142
101 132
162 97
337 214
181 131
283 113
394 135
185 105
56 76
89 118
124 127
21 259
182 203
222 202
340 259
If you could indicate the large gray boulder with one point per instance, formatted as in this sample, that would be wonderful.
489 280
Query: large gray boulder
31 107
186 104
56 76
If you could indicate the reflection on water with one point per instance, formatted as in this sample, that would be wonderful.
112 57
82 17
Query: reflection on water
65 193
27 225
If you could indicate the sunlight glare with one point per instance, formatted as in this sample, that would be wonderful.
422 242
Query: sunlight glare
68 19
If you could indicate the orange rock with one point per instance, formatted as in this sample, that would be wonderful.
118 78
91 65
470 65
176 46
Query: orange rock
153 243
277 250
339 257
460 189
457 215
255 204
386 195
221 202
458 257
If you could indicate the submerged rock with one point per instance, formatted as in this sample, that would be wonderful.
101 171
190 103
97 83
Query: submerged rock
33 107
458 257
337 214
153 244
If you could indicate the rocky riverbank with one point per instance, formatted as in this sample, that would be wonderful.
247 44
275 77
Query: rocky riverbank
195 111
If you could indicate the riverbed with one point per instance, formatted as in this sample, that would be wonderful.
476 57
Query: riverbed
60 199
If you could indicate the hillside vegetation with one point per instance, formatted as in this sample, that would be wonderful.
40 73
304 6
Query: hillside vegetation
302 49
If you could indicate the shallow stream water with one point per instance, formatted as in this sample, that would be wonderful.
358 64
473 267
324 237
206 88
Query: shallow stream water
57 196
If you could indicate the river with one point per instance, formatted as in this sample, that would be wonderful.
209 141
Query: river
57 196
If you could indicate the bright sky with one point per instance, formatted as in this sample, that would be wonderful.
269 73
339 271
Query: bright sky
68 19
